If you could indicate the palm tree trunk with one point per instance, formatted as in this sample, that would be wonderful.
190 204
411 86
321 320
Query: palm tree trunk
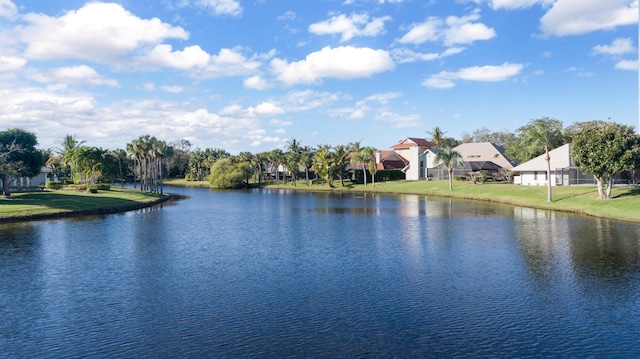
548 159
450 170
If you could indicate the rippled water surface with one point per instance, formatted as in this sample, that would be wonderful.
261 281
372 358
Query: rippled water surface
274 274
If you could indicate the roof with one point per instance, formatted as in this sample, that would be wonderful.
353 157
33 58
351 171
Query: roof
475 166
390 160
412 142
559 157
483 152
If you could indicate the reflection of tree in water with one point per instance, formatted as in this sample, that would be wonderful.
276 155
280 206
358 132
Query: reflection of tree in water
543 239
604 248
17 237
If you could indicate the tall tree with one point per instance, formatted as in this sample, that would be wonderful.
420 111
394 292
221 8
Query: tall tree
437 137
306 159
535 138
605 149
292 158
18 156
449 158
365 157
323 165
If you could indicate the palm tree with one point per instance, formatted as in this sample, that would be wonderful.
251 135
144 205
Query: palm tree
341 160
306 159
293 157
449 158
323 165
541 134
437 137
365 158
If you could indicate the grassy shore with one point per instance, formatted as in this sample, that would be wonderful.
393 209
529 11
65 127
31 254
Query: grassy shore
625 204
64 203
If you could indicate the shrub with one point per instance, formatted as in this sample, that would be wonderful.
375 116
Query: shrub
53 185
190 177
103 186
93 190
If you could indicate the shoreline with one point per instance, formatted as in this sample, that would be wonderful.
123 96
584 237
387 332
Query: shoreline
561 204
86 212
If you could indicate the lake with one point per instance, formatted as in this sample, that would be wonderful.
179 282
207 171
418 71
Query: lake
274 274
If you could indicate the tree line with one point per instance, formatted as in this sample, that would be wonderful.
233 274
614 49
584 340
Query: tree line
602 148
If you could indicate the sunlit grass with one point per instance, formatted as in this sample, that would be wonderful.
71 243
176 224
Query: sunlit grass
47 203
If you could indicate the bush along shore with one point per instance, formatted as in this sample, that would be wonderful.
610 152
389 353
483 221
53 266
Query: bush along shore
39 205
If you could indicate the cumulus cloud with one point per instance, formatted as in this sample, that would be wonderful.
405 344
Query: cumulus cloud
362 108
11 63
221 7
98 32
256 82
628 65
575 17
342 62
451 31
233 62
187 59
82 74
8 9
446 79
350 26
619 46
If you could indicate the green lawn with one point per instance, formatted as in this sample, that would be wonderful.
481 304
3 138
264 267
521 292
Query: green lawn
625 204
64 202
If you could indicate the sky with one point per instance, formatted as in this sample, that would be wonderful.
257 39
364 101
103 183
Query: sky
249 75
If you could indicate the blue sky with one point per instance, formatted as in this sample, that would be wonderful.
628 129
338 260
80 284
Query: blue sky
248 75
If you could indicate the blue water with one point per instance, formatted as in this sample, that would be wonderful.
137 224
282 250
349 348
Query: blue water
275 274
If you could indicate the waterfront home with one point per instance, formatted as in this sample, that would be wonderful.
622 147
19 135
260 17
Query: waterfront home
563 171
480 156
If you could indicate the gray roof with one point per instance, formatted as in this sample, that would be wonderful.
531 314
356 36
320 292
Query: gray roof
559 157
483 152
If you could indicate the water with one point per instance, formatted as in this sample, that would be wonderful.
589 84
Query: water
274 274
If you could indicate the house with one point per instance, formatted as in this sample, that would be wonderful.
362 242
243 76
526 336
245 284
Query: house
403 147
36 181
399 158
420 163
476 156
389 160
563 171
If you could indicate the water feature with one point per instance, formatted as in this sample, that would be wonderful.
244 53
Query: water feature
284 274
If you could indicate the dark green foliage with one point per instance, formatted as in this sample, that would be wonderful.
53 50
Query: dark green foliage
604 150
18 156
389 175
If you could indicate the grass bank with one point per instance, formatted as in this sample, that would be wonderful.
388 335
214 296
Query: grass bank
181 182
625 204
65 203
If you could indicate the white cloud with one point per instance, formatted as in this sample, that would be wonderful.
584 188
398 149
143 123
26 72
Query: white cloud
296 101
221 7
575 17
8 9
629 65
618 47
10 63
232 62
266 109
163 56
446 79
463 30
517 4
399 121
256 82
341 62
451 31
82 74
350 26
98 31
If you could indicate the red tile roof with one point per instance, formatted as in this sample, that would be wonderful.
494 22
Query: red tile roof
412 142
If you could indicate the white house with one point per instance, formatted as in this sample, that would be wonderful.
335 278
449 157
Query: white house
420 163
563 171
